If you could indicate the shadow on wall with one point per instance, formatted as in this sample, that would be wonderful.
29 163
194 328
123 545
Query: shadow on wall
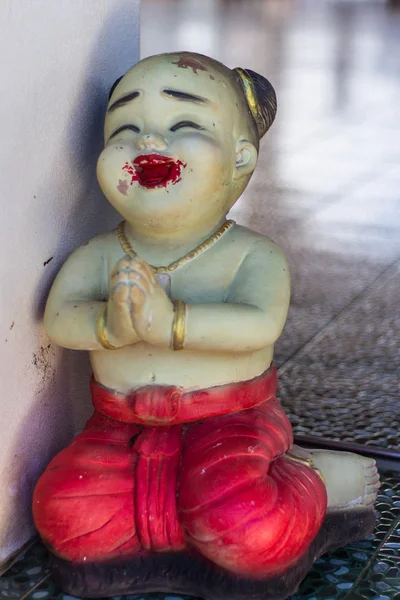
62 401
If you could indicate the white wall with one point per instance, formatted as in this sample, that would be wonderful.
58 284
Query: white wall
59 58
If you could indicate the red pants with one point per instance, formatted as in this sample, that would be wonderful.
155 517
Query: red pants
222 485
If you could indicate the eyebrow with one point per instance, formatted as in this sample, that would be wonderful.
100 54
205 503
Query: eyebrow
184 96
124 100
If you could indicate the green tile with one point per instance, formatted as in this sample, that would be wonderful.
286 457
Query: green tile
383 577
25 573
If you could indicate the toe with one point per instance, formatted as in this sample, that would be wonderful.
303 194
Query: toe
369 499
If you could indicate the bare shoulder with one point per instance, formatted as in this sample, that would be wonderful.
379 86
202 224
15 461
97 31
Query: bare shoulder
101 243
84 273
262 278
97 248
258 248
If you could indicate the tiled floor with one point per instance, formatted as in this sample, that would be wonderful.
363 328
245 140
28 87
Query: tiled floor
327 189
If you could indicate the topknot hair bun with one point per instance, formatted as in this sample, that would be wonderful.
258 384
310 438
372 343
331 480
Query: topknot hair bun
266 100
260 97
114 85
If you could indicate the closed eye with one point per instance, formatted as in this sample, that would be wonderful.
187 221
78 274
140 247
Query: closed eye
182 124
123 128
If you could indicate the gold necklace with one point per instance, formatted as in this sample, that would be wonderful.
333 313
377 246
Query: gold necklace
127 248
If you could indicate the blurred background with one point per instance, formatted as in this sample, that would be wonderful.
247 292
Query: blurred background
326 189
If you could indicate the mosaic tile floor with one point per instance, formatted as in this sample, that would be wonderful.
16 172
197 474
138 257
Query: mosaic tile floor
334 389
365 570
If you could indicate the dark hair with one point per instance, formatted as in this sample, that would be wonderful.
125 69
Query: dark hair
114 85
265 98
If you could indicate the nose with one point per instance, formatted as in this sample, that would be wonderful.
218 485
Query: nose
152 140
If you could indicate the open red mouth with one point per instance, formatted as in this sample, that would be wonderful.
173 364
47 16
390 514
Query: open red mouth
154 170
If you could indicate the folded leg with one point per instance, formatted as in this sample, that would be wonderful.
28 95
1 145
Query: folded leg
83 503
111 493
243 504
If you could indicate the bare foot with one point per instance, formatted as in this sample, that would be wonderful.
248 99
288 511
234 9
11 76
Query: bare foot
351 480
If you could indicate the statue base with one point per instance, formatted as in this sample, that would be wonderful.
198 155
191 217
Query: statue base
190 574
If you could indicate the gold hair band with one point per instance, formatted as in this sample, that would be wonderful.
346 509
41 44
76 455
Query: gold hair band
251 97
178 325
101 333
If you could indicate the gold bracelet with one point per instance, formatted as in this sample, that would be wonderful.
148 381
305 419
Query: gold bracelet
178 325
101 332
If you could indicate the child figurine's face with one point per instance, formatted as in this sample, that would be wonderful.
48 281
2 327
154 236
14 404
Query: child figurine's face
176 150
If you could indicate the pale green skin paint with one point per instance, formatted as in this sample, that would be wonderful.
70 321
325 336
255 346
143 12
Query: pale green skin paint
237 292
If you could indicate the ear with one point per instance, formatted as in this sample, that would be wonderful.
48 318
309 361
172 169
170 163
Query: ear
246 159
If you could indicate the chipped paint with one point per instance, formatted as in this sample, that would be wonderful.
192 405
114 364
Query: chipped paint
43 361
188 62
123 187
129 168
